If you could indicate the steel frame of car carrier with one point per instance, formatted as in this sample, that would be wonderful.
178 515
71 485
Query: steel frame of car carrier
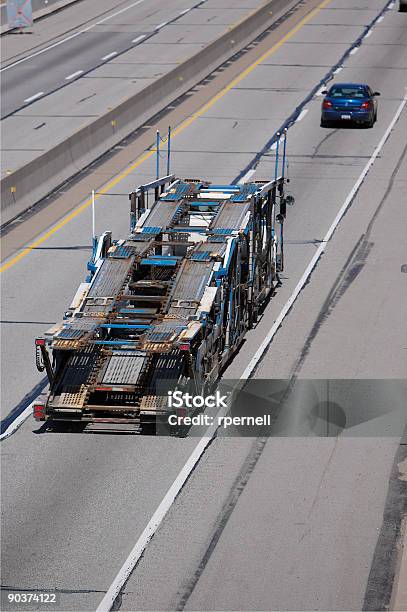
171 302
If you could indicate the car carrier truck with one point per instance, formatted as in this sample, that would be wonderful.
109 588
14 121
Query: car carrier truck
168 305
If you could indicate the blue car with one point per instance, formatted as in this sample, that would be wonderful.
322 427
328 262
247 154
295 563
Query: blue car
349 102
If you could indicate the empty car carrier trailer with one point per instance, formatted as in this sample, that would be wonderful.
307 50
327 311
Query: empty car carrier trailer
171 302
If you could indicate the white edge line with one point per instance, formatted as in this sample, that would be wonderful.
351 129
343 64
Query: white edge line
302 115
73 75
18 421
274 145
34 97
161 511
139 38
109 55
247 176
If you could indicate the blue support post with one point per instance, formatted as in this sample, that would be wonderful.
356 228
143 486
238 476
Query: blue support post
277 150
158 155
284 152
94 237
275 177
168 150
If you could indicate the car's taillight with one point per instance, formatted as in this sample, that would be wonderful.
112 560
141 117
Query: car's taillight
366 104
326 104
39 412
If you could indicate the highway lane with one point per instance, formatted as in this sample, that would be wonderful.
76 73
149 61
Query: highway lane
81 51
221 152
56 26
50 120
304 530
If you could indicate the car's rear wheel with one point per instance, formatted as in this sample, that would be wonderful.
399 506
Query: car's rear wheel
325 123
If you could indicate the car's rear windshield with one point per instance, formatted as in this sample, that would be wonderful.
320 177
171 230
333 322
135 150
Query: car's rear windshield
339 91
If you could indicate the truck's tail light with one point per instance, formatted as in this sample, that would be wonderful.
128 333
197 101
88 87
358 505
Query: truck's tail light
40 342
39 412
184 347
181 413
326 104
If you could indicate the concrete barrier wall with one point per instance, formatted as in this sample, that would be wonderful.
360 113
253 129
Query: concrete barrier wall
29 184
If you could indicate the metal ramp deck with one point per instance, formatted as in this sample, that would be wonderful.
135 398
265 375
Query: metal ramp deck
230 216
163 215
110 278
123 367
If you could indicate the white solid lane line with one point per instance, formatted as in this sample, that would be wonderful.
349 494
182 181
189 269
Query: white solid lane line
60 42
158 516
141 37
164 23
109 55
274 145
18 421
247 176
73 75
185 11
34 97
302 115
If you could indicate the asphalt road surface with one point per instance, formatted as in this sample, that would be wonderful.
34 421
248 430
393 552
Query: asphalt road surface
288 523
84 49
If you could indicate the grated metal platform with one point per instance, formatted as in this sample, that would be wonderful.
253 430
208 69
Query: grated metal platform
110 278
162 215
231 215
124 367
